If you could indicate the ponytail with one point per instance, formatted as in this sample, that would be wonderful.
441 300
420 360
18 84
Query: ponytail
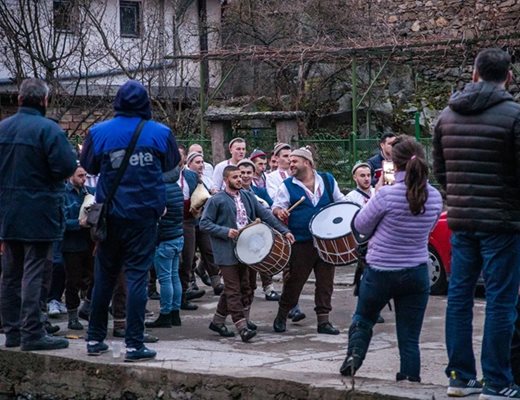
408 156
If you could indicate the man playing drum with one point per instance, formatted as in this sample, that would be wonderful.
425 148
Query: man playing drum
318 190
224 216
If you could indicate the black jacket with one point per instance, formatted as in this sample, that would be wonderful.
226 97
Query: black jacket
170 225
35 159
476 149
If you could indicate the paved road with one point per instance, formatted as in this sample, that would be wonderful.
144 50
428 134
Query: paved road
300 354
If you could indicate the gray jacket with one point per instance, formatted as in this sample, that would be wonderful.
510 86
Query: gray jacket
219 217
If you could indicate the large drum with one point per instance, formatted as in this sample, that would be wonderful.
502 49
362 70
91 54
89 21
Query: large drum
332 234
262 248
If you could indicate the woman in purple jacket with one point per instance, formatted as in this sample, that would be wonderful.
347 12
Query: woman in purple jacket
398 220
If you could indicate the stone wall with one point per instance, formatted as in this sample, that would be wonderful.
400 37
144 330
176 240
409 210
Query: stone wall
454 18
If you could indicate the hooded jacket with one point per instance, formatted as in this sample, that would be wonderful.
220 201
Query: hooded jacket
141 195
476 151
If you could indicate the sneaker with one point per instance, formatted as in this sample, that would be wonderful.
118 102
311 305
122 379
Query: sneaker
142 354
508 392
462 387
53 308
46 343
62 307
96 348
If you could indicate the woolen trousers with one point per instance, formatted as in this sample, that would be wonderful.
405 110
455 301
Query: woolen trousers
237 295
304 259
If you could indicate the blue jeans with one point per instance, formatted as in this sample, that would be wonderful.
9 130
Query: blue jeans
129 246
166 263
498 257
410 289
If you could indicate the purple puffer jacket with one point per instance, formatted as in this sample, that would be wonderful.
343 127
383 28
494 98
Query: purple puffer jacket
400 239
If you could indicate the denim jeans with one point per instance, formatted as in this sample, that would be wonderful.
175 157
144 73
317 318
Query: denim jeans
166 262
129 246
497 256
410 289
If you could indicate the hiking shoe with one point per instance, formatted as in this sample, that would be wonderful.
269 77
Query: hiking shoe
46 343
75 325
142 354
462 387
508 392
96 348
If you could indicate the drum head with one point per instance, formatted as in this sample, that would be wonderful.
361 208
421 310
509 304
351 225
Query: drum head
254 243
333 221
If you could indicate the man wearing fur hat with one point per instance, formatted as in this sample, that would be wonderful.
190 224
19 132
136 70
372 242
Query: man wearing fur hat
318 189
237 148
274 179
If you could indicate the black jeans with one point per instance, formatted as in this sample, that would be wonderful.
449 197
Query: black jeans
78 271
23 267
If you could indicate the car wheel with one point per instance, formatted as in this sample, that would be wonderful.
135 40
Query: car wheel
438 281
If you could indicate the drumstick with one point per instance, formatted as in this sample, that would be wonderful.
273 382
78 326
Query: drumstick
256 221
302 199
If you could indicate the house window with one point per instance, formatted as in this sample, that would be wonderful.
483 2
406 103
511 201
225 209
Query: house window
130 18
63 15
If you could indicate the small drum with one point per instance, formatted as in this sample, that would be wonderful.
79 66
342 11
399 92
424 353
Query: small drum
332 234
264 249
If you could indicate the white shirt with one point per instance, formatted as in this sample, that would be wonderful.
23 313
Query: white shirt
208 171
184 186
282 198
218 179
355 197
273 181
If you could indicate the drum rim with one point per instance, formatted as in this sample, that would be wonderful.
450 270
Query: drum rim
272 244
323 208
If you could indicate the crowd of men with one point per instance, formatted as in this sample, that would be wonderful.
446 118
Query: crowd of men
158 229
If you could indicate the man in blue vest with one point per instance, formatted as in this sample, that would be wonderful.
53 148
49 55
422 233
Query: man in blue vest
319 190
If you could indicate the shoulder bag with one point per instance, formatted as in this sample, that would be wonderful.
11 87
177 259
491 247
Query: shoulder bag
98 212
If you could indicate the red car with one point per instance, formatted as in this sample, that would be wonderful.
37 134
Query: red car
439 249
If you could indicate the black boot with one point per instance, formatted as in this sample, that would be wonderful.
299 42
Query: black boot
359 335
176 318
280 322
162 321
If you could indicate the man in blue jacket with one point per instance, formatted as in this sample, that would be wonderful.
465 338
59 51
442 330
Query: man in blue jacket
35 159
133 214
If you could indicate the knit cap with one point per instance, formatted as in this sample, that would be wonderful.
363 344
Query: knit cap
192 156
279 147
305 153
246 161
257 153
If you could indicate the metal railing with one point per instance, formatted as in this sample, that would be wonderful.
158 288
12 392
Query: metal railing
335 155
